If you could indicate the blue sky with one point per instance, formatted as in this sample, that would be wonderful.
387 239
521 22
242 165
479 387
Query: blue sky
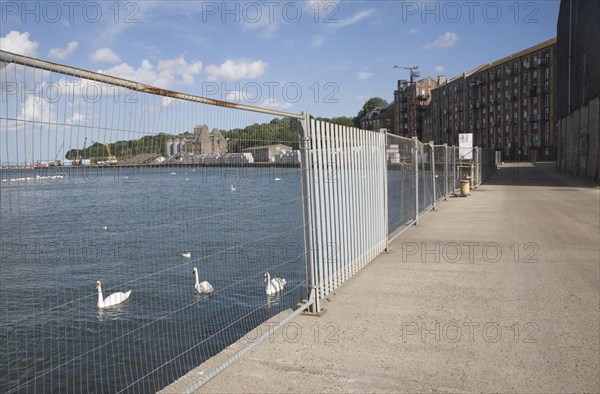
326 57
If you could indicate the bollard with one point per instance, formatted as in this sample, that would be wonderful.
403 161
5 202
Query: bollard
464 188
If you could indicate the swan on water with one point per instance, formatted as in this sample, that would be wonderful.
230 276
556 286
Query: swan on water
111 300
187 255
202 287
232 188
274 285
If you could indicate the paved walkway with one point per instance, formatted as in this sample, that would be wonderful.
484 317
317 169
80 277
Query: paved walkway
497 292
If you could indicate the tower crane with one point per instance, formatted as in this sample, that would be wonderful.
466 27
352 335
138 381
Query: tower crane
413 72
111 159
57 162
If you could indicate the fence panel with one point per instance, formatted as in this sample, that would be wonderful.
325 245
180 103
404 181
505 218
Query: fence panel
425 177
441 173
103 179
400 183
348 167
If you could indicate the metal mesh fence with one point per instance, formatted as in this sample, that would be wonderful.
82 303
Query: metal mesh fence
109 186
103 187
400 183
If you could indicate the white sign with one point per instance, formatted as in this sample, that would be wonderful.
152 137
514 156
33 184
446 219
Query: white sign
465 146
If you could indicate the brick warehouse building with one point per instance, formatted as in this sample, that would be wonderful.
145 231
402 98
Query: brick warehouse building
410 105
509 105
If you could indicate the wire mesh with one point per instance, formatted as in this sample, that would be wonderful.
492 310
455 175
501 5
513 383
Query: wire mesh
425 177
441 173
401 183
103 183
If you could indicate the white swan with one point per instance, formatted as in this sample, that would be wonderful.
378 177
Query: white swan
274 285
187 255
111 300
232 188
202 287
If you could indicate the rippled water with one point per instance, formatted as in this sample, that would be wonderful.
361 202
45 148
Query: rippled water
128 228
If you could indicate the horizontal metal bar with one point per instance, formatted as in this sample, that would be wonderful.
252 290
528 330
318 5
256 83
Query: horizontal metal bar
202 381
9 57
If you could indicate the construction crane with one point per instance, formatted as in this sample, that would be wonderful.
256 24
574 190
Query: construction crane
413 72
57 162
111 159
412 100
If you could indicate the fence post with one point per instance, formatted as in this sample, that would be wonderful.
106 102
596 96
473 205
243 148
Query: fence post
477 164
445 172
306 174
453 168
385 189
432 163
416 165
481 164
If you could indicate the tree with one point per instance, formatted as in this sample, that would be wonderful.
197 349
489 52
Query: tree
341 120
370 104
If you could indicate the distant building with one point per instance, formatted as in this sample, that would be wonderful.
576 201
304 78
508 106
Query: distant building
578 85
202 143
378 118
268 153
508 105
291 157
410 103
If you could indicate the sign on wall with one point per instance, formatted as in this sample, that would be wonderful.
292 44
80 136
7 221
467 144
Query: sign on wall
465 146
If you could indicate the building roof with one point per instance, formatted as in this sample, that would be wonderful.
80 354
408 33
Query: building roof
505 59
516 55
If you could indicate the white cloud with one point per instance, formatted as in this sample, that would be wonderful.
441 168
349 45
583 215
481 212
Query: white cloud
353 19
446 40
166 74
262 26
168 102
60 53
317 41
344 65
364 75
272 103
289 43
76 119
233 70
440 69
18 43
36 109
234 95
414 30
105 55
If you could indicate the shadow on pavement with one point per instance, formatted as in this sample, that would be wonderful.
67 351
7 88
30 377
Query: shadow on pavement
538 174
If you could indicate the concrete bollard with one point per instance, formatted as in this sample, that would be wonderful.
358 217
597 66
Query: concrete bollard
464 188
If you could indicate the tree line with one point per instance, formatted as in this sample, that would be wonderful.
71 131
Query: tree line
278 131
